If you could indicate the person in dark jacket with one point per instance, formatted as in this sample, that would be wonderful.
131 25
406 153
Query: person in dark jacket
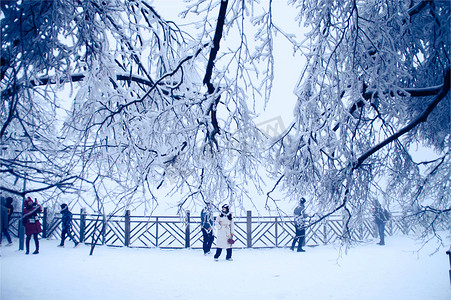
380 219
207 222
299 223
5 223
66 223
31 223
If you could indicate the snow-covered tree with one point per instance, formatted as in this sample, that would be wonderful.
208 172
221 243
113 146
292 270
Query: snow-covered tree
36 50
158 104
149 106
374 89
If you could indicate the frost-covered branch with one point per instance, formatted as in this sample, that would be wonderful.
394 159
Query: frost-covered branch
361 90
420 119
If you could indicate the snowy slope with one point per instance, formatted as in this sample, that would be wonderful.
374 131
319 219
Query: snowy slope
372 272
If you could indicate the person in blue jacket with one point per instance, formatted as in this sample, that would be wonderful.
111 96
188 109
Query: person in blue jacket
207 221
66 222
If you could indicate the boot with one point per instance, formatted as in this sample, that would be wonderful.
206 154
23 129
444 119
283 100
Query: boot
293 244
36 243
301 243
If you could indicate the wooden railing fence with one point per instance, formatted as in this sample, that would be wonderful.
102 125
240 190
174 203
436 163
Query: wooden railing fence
184 232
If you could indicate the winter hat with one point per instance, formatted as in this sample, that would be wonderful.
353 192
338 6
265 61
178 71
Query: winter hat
63 206
302 201
226 206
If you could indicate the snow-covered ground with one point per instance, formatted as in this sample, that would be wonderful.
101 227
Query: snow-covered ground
395 271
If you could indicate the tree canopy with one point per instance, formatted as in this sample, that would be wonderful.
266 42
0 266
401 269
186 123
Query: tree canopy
153 101
375 86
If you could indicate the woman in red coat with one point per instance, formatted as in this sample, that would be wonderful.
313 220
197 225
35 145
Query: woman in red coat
31 223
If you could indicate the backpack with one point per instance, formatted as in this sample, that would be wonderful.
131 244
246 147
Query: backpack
386 215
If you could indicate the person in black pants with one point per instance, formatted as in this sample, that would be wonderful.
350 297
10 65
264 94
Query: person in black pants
207 222
66 222
299 223
380 218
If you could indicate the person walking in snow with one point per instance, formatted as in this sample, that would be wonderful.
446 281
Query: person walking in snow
5 223
31 223
380 218
299 223
225 229
207 223
66 223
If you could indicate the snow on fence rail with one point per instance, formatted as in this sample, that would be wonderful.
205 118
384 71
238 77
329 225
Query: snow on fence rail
185 232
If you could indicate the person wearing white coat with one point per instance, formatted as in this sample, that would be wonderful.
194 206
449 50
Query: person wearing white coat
225 228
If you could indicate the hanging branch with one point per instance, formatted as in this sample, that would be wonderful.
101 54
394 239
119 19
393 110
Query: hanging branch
422 118
207 79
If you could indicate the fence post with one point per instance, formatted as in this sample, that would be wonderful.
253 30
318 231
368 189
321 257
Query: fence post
156 231
44 224
276 232
21 225
249 228
21 233
187 230
127 228
82 224
449 255
325 241
104 229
